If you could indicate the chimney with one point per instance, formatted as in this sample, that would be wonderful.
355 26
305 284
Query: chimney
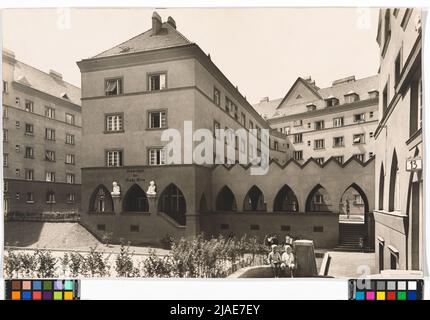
55 74
264 99
171 21
156 23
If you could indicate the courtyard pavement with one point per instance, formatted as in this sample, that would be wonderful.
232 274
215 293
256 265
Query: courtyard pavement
351 264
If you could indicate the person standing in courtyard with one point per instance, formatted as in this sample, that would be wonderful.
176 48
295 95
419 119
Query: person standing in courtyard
347 208
274 259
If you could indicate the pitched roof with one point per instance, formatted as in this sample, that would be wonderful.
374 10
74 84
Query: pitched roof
312 88
167 38
41 81
267 108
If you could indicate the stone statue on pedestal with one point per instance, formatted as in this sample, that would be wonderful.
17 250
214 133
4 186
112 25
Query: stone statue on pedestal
116 190
152 189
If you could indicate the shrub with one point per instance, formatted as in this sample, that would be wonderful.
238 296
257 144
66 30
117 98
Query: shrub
45 264
124 263
95 264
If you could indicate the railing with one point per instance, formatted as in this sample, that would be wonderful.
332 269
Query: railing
43 216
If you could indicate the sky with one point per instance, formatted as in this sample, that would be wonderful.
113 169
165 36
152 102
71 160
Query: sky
262 51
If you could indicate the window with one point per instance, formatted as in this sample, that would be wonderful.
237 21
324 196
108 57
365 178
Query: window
50 197
5 135
311 107
224 226
243 119
134 228
298 138
387 27
385 98
406 17
157 119
397 68
70 138
5 87
70 158
29 174
5 112
358 138
157 81
318 229
420 103
17 124
235 112
276 145
101 227
374 94
309 143
319 125
71 198
157 157
5 159
339 159
70 178
309 125
228 105
338 142
6 186
287 130
251 125
358 199
49 112
370 134
50 155
114 123
298 123
416 107
359 157
29 128
371 154
359 117
17 196
217 127
29 106
371 114
332 101
29 197
319 144
285 228
18 101
17 148
113 87
298 155
49 134
114 158
50 176
254 227
352 97
319 198
18 172
338 122
70 118
29 152
320 160
217 97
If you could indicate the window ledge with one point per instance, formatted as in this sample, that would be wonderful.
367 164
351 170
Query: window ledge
29 134
51 202
29 202
156 129
112 132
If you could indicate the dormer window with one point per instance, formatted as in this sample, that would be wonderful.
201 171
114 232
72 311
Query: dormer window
65 96
351 97
332 101
373 94
113 87
311 107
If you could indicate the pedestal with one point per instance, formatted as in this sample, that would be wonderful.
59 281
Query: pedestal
116 204
152 203
305 258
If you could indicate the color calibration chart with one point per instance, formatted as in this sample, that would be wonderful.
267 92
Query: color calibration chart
385 289
44 289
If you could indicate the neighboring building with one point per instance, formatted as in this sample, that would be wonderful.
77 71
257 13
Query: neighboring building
399 183
41 140
158 80
338 121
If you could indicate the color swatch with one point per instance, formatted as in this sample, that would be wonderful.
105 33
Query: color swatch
44 289
385 289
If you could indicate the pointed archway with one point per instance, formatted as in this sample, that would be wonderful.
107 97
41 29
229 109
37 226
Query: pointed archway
101 200
254 200
172 202
286 200
394 191
135 200
381 188
225 200
318 200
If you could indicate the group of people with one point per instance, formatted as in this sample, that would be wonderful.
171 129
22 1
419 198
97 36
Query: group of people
282 261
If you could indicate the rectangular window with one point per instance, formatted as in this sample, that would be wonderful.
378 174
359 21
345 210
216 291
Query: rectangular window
319 144
113 87
359 157
70 118
114 123
217 127
5 112
319 198
157 81
338 122
6 186
385 98
18 172
311 107
320 160
319 125
358 138
17 124
298 138
70 138
318 229
217 97
397 68
49 112
50 155
101 227
29 174
5 87
406 17
5 160
287 130
374 94
17 148
358 199
360 117
370 134
224 226
251 125
298 155
157 119
157 157
29 129
50 197
134 228
17 101
114 158
254 227
235 112
49 134
70 178
70 158
371 154
29 106
71 198
50 176
243 119
350 98
276 145
339 159
338 142
371 114
285 228
298 123
29 152
30 197
5 135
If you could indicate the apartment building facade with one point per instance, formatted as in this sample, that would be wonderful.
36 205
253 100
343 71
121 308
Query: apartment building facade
41 140
399 141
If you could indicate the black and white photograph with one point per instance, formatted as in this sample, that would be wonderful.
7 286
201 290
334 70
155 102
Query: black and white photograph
212 142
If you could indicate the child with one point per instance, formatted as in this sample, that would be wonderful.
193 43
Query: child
288 262
275 260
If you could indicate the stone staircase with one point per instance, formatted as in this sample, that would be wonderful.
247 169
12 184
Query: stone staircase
350 235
